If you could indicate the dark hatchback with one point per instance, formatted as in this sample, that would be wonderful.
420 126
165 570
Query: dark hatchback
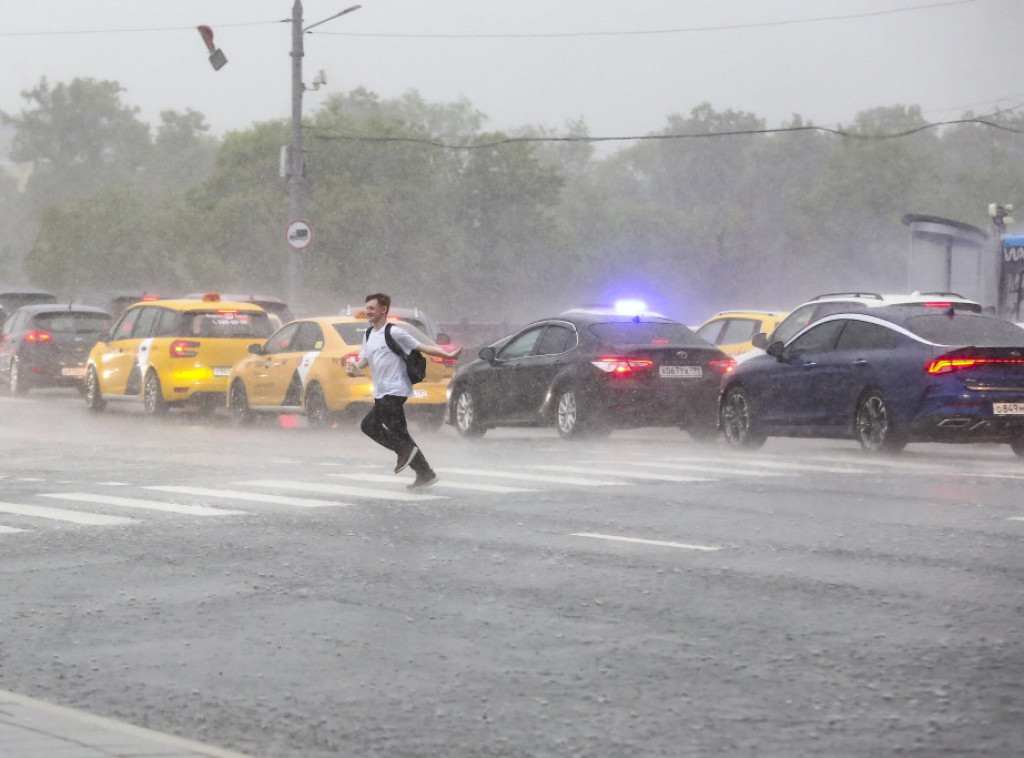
590 372
47 345
884 376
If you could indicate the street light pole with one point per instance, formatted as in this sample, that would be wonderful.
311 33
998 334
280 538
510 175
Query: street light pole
296 167
296 150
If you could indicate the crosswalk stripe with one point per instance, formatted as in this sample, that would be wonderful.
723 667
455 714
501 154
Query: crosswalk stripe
149 505
60 514
710 469
495 488
785 466
254 497
531 477
340 489
9 529
623 473
639 541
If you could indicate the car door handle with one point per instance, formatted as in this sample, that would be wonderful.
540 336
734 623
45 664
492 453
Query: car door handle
860 362
812 364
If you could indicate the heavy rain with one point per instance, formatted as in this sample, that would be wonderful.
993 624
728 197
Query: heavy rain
640 541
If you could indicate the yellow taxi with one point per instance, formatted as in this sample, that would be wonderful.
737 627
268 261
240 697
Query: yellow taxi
732 331
301 369
172 353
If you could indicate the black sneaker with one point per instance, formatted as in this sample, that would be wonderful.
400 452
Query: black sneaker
422 480
404 458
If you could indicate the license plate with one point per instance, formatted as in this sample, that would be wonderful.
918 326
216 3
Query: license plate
221 370
681 372
1008 409
419 393
79 372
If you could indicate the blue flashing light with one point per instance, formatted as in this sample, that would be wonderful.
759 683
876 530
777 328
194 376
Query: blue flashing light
630 307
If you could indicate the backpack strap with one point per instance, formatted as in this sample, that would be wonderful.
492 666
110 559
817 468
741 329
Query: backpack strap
391 342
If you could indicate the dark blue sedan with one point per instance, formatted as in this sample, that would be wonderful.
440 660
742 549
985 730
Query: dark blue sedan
885 377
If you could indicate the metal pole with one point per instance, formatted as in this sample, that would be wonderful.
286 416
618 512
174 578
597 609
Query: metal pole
296 169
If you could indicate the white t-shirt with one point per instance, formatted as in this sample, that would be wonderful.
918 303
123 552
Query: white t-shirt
389 374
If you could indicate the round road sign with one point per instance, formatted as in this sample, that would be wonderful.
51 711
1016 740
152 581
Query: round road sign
299 235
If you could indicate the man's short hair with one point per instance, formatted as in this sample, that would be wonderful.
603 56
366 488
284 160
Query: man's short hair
381 298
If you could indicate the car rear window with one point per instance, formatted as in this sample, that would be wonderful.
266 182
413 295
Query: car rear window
966 329
226 323
68 322
352 332
646 333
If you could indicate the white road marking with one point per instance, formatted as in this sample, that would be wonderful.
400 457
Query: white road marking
496 488
254 497
638 541
623 473
785 466
9 529
711 469
338 489
149 505
530 477
59 514
1016 518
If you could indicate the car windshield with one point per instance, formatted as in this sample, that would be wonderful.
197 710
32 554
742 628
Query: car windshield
352 332
646 333
227 323
966 330
69 322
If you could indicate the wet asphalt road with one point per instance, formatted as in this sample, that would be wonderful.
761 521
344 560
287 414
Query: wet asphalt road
640 595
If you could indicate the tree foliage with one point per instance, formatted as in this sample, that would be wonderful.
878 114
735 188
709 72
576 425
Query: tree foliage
711 212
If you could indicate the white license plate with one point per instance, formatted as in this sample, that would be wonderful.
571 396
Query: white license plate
419 393
681 372
221 370
79 372
1008 409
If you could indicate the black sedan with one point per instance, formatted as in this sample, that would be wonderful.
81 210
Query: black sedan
47 345
589 371
884 376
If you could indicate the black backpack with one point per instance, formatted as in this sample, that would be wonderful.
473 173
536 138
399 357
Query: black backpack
415 362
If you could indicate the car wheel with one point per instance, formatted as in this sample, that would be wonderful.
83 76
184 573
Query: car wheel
93 399
737 420
571 418
317 413
873 425
238 404
152 397
1017 446
467 423
18 383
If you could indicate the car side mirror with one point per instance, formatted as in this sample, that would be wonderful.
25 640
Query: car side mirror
487 354
256 348
760 341
776 349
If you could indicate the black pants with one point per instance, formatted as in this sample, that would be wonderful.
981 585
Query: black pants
385 424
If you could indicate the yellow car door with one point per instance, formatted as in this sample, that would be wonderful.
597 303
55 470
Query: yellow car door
116 357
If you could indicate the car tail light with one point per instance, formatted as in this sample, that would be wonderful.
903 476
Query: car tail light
723 365
37 336
938 304
947 364
184 349
349 358
622 366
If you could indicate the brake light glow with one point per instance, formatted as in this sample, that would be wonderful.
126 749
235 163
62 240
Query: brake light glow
723 365
349 358
948 364
184 349
37 336
622 366
227 313
937 304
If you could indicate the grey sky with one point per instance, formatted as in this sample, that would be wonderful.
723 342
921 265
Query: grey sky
947 56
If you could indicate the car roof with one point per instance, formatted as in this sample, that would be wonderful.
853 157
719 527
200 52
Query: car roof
773 314
874 299
605 316
192 305
61 307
